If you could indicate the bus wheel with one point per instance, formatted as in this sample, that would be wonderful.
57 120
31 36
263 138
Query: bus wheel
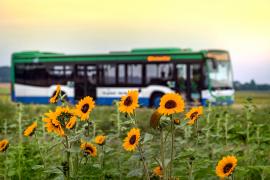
155 99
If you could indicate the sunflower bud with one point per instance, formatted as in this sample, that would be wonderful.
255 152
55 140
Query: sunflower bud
154 120
176 121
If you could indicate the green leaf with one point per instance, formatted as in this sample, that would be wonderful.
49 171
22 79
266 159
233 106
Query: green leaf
35 167
147 137
135 173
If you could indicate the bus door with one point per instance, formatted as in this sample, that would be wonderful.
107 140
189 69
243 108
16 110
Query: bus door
195 79
182 81
85 81
189 81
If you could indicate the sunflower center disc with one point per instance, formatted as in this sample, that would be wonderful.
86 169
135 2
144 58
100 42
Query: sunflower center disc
132 139
170 104
89 149
194 115
85 108
227 168
128 101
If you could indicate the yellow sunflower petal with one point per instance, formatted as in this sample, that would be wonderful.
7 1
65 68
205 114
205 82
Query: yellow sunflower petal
30 130
194 114
4 145
226 166
56 94
132 140
129 102
84 107
171 103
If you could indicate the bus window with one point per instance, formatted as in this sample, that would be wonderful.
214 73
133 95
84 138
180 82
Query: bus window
107 74
151 73
134 73
165 71
159 73
92 74
19 73
121 74
60 74
31 74
182 76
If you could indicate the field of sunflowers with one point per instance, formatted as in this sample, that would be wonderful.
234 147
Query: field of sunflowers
124 141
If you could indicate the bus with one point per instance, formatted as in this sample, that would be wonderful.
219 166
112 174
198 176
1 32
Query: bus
203 76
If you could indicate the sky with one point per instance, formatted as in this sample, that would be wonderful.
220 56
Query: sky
98 26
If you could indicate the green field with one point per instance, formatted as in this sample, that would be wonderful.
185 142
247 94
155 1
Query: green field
242 131
259 97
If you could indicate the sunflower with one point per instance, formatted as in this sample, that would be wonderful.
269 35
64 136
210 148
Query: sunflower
171 103
65 115
55 95
84 107
158 171
129 102
53 125
4 145
132 139
194 114
100 140
30 130
88 149
226 166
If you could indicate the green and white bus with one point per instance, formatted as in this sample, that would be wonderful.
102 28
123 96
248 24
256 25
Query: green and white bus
199 76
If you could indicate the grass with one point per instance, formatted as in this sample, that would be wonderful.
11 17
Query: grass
222 131
259 97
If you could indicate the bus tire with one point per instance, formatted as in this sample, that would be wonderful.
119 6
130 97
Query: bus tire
155 99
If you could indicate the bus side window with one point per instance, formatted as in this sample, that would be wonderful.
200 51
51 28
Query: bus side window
121 74
159 73
19 73
182 76
134 73
151 73
31 74
92 74
107 74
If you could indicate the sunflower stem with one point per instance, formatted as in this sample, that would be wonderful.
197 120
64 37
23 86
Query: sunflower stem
197 132
94 129
20 140
119 134
208 122
6 157
190 173
232 176
102 163
144 163
172 148
67 175
40 151
226 129
162 152
118 120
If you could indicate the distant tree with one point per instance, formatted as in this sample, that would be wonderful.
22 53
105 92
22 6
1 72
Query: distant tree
4 74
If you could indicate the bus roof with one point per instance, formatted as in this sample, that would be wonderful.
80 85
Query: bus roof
134 54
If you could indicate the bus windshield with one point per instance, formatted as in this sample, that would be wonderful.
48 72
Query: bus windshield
220 74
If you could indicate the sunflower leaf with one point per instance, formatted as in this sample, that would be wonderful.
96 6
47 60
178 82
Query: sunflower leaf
135 173
147 137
